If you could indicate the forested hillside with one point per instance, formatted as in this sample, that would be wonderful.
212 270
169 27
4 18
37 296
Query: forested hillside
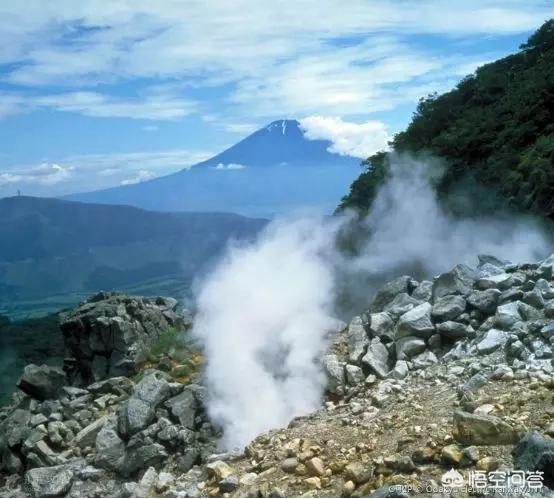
496 127
53 253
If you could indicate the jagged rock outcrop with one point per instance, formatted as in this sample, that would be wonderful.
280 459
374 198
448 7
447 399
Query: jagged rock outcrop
109 334
57 439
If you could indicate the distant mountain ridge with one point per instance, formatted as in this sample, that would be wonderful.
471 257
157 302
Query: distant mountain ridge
274 170
54 252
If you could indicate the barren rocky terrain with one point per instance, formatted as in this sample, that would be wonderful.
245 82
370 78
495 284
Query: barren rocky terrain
440 388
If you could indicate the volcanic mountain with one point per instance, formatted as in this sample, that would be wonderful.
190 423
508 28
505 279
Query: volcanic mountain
273 171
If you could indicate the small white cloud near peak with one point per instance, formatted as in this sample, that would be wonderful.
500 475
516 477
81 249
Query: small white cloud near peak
359 140
229 166
140 176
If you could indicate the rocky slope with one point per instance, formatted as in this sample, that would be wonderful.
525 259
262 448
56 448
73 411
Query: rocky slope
441 388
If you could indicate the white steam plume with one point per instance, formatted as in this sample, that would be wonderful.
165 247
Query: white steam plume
265 311
263 315
408 226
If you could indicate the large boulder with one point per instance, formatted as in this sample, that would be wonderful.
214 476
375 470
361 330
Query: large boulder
357 340
459 281
110 334
535 453
508 314
110 449
448 307
401 304
377 358
491 341
484 301
382 326
53 481
184 407
452 331
477 429
416 322
334 370
408 347
140 409
388 292
42 382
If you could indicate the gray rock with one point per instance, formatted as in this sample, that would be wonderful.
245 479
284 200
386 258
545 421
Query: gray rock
535 453
448 307
424 291
377 358
15 428
87 436
387 293
491 260
546 267
487 270
354 375
400 370
452 331
484 301
401 304
54 481
434 342
459 281
547 331
118 385
335 374
134 415
110 334
357 340
139 410
545 288
42 382
476 429
534 298
416 322
549 309
491 341
500 281
424 359
512 294
409 346
153 388
478 380
382 326
184 407
110 449
142 456
507 315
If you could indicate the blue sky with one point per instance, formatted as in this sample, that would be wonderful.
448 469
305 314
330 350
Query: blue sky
95 93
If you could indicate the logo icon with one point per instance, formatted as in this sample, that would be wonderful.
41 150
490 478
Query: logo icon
453 479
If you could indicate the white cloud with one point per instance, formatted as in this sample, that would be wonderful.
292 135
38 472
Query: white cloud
229 166
44 174
276 56
150 107
95 171
140 176
351 139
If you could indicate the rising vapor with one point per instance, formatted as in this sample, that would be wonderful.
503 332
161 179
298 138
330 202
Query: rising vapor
265 312
263 315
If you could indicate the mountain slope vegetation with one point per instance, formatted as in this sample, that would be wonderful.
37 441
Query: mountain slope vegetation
496 128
